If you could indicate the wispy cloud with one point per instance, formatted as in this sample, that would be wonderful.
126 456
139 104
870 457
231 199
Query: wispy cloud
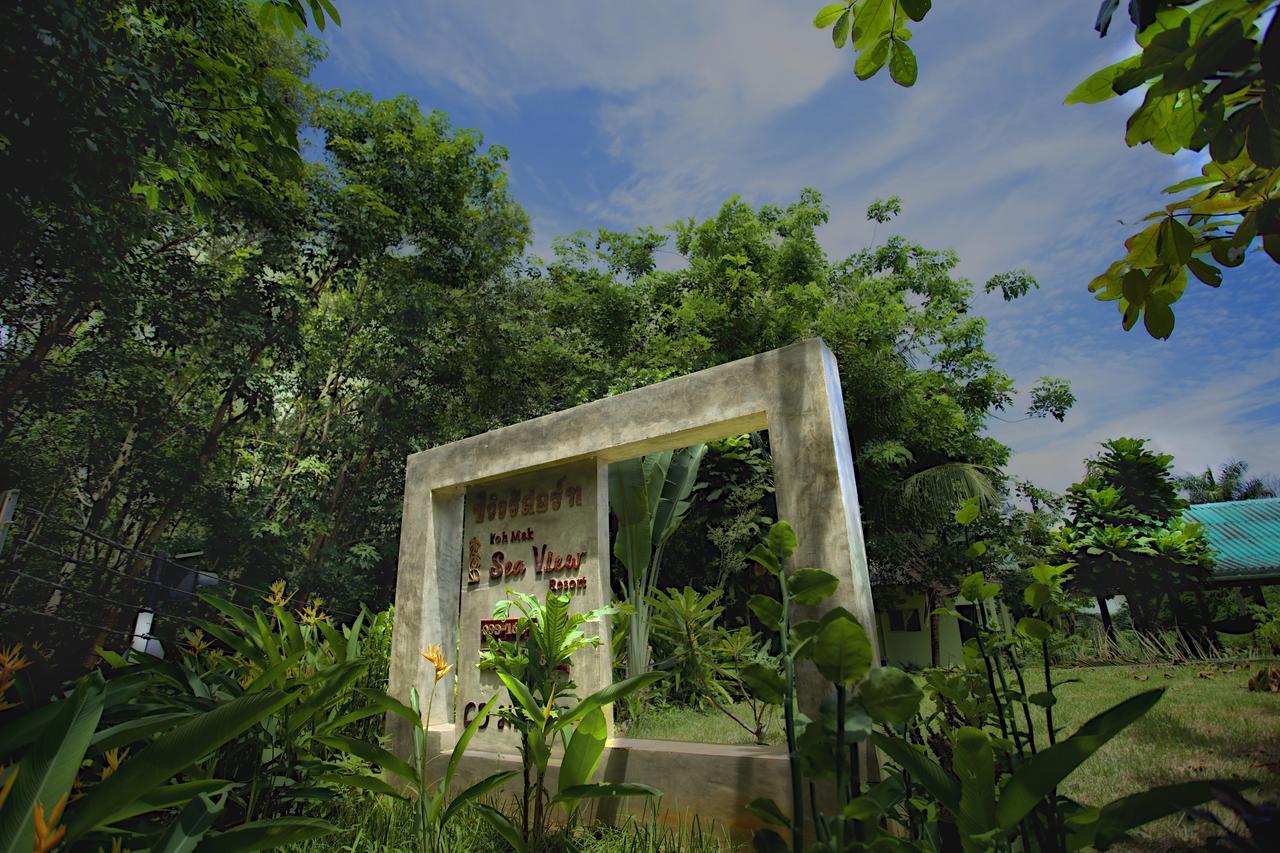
677 105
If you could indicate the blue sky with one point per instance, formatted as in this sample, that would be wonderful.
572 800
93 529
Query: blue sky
626 114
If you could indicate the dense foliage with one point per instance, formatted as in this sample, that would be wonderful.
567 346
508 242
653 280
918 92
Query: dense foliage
1125 533
966 772
240 302
257 721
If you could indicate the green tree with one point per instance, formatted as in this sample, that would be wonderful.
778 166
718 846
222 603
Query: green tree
1212 82
1125 534
1231 483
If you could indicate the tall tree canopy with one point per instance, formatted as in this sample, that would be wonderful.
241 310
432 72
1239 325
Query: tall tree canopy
217 343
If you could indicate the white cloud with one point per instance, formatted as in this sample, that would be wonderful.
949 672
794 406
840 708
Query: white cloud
692 102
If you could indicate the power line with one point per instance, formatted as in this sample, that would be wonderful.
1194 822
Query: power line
125 605
77 622
143 555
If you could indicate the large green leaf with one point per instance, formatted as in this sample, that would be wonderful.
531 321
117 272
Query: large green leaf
274 675
49 768
811 586
924 771
502 824
522 697
916 9
461 747
1120 816
841 651
872 59
890 695
768 811
763 683
630 503
248 627
267 834
607 696
168 796
474 792
1044 771
372 754
1098 85
368 783
133 730
903 69
171 753
390 703
673 501
765 557
582 755
781 540
767 610
828 14
605 789
334 681
186 830
973 761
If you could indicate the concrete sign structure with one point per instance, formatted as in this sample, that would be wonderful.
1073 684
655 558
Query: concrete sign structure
793 392
545 531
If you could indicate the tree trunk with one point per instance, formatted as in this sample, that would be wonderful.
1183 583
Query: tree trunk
1106 618
1210 632
61 323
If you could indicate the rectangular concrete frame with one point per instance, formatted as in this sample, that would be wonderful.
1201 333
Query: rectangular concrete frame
793 392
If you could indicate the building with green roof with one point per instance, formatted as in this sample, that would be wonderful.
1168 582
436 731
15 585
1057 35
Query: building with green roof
1245 537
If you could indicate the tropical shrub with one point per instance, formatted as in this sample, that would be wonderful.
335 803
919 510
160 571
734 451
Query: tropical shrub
971 773
229 743
433 809
534 668
705 659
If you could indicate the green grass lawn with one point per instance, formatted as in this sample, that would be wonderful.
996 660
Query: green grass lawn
704 726
1207 725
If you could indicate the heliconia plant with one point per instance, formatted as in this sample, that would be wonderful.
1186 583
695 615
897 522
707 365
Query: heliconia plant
534 667
650 497
221 746
433 807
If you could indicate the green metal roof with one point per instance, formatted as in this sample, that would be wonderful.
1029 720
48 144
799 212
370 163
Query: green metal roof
1245 536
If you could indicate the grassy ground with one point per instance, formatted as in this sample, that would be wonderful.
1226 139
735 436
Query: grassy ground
1207 725
705 726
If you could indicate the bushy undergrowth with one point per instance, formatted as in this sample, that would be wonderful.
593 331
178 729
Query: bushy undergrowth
383 825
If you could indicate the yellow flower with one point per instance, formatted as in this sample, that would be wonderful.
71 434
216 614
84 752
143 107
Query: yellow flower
48 833
196 642
113 758
11 660
435 656
312 613
277 595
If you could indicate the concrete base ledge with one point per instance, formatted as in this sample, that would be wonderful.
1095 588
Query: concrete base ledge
713 782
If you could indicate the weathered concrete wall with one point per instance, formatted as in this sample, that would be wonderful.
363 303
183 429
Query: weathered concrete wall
793 392
709 781
531 525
